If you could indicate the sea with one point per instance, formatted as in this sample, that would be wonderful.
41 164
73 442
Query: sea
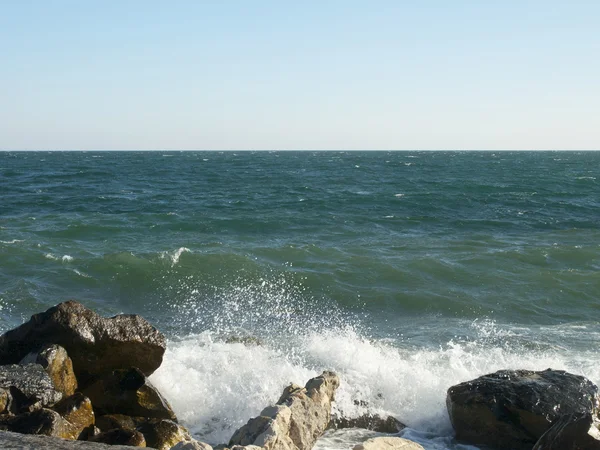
403 272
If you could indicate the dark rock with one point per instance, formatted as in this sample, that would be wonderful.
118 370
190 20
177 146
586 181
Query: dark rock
112 421
128 392
296 422
570 432
373 422
94 343
514 408
78 414
54 359
121 437
248 341
26 388
163 434
17 441
42 421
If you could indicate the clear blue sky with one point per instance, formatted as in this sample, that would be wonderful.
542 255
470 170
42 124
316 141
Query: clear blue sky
329 74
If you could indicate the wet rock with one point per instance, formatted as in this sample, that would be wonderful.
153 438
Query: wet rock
296 422
112 421
78 415
128 392
514 408
248 341
54 359
17 441
94 343
163 434
571 432
119 436
388 443
373 422
26 388
42 421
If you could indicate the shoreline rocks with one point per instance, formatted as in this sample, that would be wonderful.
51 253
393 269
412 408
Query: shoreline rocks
515 408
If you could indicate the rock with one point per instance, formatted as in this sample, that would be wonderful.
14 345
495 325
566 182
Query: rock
193 445
119 436
514 408
26 388
369 422
94 343
112 421
296 422
41 421
163 434
17 441
248 341
54 359
571 432
78 415
128 392
388 443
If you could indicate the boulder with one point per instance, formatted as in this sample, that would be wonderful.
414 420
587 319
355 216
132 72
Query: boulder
571 432
514 408
373 422
54 359
119 436
26 388
94 343
297 420
78 415
130 393
163 434
388 443
17 441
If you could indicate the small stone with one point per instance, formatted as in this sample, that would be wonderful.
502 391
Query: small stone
388 443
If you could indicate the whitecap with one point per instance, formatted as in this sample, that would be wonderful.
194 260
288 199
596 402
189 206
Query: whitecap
399 195
175 255
67 258
14 241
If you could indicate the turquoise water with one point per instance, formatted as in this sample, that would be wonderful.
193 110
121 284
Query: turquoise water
404 271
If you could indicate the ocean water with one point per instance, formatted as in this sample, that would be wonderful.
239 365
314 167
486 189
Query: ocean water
404 272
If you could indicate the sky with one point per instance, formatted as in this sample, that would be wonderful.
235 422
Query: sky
283 75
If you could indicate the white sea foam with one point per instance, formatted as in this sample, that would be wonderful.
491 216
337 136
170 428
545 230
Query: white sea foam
64 258
175 255
216 387
14 241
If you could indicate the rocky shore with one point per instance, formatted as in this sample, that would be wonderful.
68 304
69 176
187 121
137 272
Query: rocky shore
71 379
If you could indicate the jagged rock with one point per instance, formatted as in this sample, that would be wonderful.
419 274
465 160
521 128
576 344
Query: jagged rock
514 408
94 343
571 432
163 434
248 341
17 441
26 388
388 443
41 421
119 436
54 359
128 392
193 445
78 414
369 422
296 422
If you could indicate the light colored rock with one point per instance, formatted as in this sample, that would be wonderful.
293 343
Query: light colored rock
163 434
192 445
57 364
296 422
388 443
